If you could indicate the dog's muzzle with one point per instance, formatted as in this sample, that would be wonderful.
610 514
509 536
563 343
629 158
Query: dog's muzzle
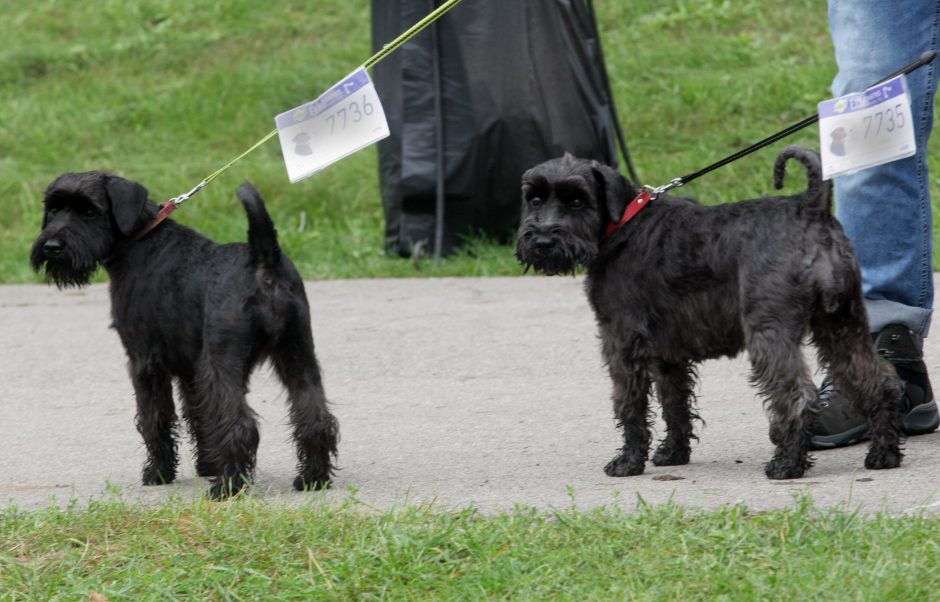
63 263
547 251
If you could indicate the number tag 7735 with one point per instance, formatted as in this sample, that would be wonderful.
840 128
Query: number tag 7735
343 120
866 129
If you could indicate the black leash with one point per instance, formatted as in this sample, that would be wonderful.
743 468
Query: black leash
924 59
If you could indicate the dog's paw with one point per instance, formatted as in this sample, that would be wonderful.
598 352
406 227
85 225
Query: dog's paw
302 483
878 459
223 488
622 466
779 469
154 476
218 492
671 455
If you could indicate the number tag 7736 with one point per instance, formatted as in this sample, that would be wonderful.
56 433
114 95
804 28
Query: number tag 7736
862 130
343 120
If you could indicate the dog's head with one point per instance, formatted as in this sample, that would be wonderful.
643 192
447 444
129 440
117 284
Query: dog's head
85 215
566 206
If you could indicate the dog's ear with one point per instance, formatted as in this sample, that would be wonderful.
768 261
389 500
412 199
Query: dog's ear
128 199
613 190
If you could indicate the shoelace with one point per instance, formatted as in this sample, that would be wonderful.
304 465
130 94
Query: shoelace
826 389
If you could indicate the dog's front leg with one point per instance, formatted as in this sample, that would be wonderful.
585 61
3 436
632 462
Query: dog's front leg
631 409
156 420
675 384
193 413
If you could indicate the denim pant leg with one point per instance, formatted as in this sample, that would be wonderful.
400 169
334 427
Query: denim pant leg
886 209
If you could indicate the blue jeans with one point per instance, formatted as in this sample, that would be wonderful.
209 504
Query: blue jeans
886 210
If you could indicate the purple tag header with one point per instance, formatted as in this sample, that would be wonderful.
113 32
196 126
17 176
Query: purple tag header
338 93
892 88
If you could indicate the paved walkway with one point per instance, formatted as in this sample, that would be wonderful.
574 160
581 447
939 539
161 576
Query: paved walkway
488 392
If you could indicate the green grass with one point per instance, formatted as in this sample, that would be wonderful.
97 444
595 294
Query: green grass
166 92
253 550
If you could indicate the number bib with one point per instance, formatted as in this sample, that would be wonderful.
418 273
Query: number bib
869 128
343 120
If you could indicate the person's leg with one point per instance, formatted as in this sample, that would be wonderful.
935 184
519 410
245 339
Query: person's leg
886 210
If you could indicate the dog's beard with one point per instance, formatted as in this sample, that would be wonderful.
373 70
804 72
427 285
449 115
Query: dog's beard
564 257
74 267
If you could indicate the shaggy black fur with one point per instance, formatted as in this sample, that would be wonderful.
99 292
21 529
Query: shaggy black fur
202 314
682 283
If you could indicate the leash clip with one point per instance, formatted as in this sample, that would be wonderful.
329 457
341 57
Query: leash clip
167 208
655 192
177 201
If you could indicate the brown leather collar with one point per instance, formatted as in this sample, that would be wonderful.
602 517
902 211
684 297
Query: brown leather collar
165 210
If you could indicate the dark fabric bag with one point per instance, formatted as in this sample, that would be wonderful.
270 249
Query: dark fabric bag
508 84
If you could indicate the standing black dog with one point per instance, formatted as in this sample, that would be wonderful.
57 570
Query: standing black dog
682 283
200 313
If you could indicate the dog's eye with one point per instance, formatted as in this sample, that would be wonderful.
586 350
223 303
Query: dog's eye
536 201
576 203
89 213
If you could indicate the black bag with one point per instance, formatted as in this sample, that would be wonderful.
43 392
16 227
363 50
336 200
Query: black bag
508 85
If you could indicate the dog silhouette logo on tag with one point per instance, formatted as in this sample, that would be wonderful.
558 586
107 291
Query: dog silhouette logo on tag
302 144
838 146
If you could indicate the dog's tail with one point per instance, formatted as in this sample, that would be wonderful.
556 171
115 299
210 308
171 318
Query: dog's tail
262 236
818 191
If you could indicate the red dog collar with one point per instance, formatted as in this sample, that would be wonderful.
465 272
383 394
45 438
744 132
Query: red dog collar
639 201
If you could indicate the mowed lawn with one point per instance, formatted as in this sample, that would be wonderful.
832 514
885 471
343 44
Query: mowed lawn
254 550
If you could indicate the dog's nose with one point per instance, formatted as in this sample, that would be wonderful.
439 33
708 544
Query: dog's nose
53 247
543 242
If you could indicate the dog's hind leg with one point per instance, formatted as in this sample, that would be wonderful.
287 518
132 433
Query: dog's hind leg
192 412
228 432
675 384
631 409
315 429
869 381
156 420
784 380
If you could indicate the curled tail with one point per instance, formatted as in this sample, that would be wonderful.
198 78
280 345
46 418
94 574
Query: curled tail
818 191
262 236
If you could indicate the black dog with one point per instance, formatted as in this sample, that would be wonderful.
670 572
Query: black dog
200 313
682 283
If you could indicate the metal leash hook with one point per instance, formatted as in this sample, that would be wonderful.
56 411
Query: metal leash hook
167 208
655 192
641 200
177 201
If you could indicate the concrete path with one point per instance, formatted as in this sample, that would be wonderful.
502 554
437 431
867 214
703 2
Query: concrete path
488 392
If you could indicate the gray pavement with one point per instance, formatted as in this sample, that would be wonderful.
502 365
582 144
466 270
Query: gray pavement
486 392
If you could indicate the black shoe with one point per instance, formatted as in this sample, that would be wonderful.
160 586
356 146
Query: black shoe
838 424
